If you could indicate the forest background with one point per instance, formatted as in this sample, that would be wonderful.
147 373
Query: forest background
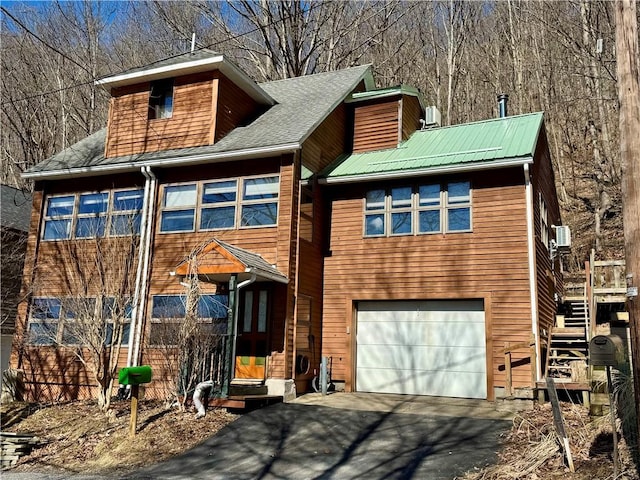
547 55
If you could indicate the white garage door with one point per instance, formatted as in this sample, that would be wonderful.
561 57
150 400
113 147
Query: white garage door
422 348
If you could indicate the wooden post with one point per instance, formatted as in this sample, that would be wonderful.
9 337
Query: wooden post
534 361
628 73
230 340
558 420
134 410
614 429
507 370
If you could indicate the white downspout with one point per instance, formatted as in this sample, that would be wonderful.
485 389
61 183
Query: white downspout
532 265
141 247
145 269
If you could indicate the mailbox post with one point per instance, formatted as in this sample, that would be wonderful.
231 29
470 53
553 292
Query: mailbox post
134 377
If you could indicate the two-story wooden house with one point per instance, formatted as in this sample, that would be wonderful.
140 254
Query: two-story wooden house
319 217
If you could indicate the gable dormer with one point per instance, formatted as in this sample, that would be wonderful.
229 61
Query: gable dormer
386 117
191 100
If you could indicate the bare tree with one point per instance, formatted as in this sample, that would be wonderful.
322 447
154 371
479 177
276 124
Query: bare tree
90 316
189 332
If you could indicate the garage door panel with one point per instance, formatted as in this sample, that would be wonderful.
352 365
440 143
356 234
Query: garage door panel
436 383
423 358
422 305
422 348
437 333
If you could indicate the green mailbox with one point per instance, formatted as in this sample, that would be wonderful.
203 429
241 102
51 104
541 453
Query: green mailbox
135 375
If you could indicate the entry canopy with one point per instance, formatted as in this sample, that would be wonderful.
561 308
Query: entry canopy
216 261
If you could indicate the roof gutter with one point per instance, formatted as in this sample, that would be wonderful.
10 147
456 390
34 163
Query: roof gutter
132 166
262 274
428 171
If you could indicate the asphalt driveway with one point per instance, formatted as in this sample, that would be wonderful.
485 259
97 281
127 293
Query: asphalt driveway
307 440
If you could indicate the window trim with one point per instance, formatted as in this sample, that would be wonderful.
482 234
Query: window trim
444 206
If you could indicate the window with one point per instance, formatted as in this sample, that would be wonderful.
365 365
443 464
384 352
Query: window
219 198
259 201
45 317
93 214
216 205
429 206
375 213
67 321
169 311
125 216
544 222
458 207
58 217
401 223
161 99
179 208
114 312
77 313
425 208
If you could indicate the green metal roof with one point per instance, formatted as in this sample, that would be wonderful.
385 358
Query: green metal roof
485 144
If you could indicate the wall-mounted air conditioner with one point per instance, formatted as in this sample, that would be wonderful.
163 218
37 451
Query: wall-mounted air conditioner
432 117
563 236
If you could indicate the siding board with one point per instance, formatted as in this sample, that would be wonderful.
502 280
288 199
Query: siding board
490 262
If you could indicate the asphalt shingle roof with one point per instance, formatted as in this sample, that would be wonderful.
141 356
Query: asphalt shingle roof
302 104
469 144
15 208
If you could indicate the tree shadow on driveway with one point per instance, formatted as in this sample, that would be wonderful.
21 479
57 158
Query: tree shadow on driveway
295 441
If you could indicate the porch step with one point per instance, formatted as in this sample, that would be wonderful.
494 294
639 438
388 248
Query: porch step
244 387
567 332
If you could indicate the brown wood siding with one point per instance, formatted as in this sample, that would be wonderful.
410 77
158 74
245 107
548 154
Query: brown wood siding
548 276
327 142
273 243
376 125
310 280
53 373
131 132
234 107
489 263
411 115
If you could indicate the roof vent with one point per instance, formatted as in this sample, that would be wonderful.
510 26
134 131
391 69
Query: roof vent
503 98
432 117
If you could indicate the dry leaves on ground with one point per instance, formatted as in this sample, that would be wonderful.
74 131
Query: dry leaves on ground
531 450
80 438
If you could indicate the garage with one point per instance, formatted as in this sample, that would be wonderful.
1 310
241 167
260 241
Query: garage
422 348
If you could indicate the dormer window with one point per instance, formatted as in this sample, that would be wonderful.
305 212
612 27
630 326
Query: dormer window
161 99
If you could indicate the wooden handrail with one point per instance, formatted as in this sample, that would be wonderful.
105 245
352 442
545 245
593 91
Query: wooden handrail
508 348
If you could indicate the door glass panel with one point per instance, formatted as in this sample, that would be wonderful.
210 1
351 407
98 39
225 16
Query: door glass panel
262 311
248 311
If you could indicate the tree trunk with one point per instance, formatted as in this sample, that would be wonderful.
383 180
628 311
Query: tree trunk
629 98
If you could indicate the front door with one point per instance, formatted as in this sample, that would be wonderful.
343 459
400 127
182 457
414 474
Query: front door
252 341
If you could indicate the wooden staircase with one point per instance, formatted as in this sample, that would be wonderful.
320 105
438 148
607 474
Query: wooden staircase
568 344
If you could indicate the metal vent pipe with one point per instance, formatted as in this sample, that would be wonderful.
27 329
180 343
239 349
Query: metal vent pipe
503 98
